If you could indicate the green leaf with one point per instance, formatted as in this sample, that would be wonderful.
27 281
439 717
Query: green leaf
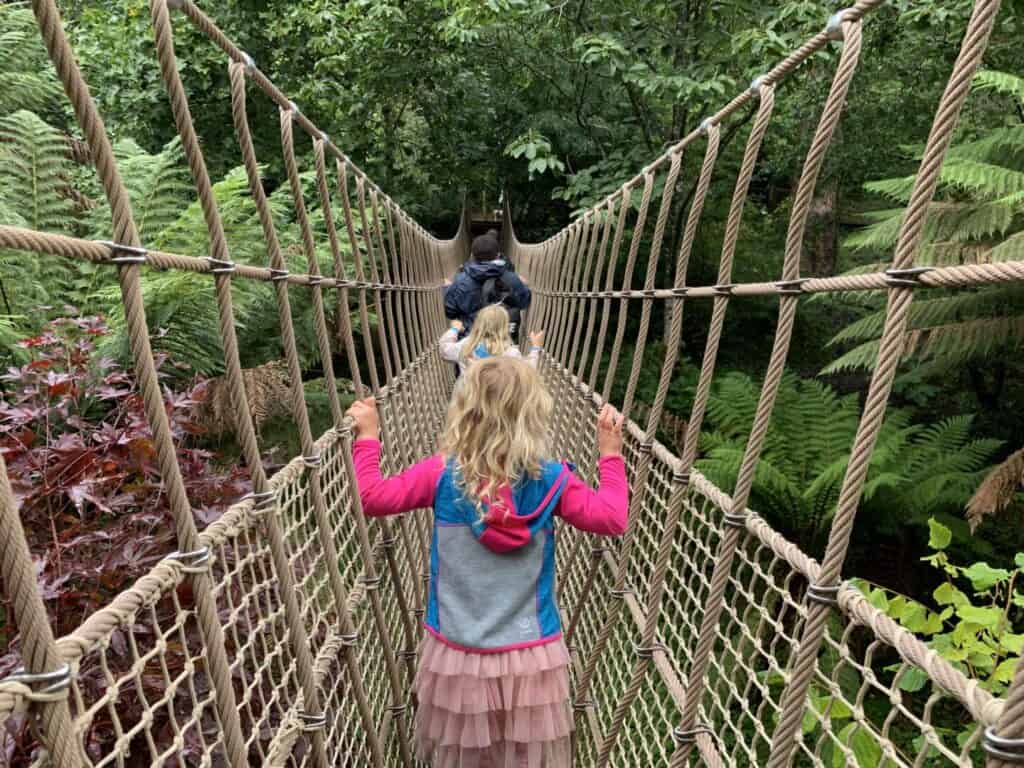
866 749
946 594
1012 642
1005 671
983 576
1018 559
939 536
878 599
913 680
987 618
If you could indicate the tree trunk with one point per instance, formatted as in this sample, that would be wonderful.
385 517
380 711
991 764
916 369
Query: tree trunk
821 251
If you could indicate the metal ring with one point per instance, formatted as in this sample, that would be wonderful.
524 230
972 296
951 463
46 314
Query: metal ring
834 27
261 500
734 520
689 735
277 275
55 681
309 722
822 595
1002 747
220 266
196 561
131 254
906 278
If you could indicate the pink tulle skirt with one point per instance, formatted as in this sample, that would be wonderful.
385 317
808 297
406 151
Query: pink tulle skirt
496 710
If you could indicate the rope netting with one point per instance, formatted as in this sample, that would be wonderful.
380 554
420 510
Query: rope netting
285 633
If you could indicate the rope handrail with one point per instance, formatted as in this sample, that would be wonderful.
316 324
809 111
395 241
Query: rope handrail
297 644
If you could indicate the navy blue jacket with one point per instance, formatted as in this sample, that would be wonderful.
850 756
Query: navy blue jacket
464 297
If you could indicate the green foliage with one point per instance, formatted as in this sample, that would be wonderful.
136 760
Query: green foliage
921 470
978 216
536 149
26 75
976 620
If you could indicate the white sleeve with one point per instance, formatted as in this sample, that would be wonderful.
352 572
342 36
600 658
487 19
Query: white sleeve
450 346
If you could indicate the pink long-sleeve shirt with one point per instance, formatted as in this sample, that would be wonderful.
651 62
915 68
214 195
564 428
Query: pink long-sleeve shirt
603 511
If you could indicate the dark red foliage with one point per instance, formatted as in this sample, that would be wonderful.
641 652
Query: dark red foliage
82 462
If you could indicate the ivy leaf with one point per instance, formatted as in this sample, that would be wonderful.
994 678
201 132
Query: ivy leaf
1018 559
1012 643
939 536
1005 671
983 576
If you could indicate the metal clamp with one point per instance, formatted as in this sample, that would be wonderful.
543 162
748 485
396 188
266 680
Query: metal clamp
906 278
790 287
582 704
756 84
314 461
129 254
620 593
349 640
645 447
723 289
294 108
53 682
370 582
314 280
649 293
276 275
822 595
706 124
325 139
647 651
689 735
249 62
408 653
309 722
388 543
220 266
397 709
834 28
734 520
261 500
598 551
683 478
678 293
1003 748
196 561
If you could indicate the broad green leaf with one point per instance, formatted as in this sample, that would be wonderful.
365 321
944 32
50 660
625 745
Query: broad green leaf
913 680
988 618
1012 642
939 536
947 594
1018 559
1005 671
878 599
983 576
864 745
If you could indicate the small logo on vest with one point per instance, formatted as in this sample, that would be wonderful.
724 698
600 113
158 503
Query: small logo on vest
526 627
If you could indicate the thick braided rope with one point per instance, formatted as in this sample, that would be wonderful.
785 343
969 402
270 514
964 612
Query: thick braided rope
298 398
625 200
38 647
890 350
369 569
245 432
592 307
125 232
375 277
787 308
652 608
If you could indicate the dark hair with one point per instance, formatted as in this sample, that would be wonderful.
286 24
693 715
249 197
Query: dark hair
484 248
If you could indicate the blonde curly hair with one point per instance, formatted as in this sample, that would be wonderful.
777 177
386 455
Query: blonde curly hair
490 328
497 427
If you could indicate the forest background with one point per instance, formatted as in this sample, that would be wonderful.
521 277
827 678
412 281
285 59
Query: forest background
553 105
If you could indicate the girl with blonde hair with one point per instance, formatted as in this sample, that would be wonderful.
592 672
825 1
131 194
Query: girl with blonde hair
489 337
493 676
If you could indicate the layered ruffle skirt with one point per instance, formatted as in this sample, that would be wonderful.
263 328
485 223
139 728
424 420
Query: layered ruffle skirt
496 710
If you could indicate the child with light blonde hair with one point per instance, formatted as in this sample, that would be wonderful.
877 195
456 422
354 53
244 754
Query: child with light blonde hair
493 675
489 337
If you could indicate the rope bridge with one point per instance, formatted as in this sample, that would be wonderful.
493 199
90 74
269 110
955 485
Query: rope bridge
703 637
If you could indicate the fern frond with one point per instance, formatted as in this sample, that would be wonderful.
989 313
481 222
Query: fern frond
27 80
34 172
1000 82
998 490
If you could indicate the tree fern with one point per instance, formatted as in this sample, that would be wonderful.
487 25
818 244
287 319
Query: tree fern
27 80
978 217
918 470
34 172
